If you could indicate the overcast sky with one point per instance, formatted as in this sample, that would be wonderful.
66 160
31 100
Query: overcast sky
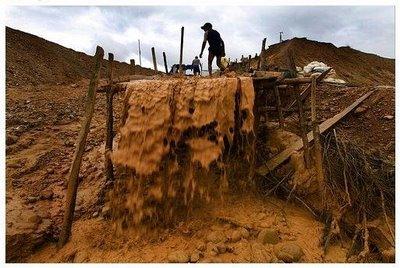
117 29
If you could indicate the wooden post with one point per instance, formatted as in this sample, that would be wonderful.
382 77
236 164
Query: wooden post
303 129
153 53
132 65
249 62
262 62
316 134
291 63
165 62
279 106
140 53
79 150
109 169
181 51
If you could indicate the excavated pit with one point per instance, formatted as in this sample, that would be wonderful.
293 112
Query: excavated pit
179 146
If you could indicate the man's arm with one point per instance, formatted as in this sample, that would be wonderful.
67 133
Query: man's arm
203 46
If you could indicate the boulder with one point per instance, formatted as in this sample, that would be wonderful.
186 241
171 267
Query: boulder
268 236
288 252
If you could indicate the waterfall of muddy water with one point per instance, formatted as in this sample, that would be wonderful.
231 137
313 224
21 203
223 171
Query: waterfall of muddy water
173 150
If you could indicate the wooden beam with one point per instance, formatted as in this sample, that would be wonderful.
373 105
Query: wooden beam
79 150
109 169
181 51
153 54
273 163
165 62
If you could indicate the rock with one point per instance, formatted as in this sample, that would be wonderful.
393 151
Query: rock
95 214
360 110
74 85
388 117
106 211
245 233
236 236
221 247
178 257
288 252
216 237
11 139
259 253
32 199
268 236
201 246
50 171
47 195
195 256
388 255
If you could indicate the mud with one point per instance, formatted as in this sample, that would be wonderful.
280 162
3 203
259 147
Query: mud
174 146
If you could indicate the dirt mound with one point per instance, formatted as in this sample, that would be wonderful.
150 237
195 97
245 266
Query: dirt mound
31 60
351 65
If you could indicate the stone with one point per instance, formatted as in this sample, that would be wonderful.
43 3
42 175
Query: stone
11 139
360 110
195 256
288 252
47 195
201 246
32 199
178 256
388 117
95 214
106 211
221 247
216 237
259 253
388 255
236 236
245 233
268 236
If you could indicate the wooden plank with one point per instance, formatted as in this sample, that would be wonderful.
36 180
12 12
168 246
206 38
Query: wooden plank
327 124
79 150
109 169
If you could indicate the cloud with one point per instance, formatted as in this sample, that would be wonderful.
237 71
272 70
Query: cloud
117 29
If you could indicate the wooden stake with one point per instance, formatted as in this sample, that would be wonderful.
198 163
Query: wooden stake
153 53
109 169
79 150
263 56
249 62
133 65
165 62
303 127
279 106
181 51
316 134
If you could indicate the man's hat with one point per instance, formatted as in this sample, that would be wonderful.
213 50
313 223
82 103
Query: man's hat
206 25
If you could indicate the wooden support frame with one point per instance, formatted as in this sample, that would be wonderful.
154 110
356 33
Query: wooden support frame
109 169
303 130
79 150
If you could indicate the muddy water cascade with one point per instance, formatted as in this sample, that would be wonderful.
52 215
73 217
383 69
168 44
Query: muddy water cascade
178 144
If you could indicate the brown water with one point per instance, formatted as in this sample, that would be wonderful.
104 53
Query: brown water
173 150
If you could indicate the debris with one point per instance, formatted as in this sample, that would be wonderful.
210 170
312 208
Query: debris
388 117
